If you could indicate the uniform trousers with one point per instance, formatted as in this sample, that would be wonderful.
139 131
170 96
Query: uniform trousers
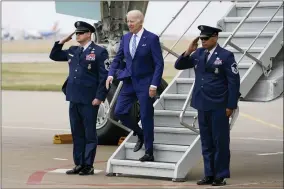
215 140
83 119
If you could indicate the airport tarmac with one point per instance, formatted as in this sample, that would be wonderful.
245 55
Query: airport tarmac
31 160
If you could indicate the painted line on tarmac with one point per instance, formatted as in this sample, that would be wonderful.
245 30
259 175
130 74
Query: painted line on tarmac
35 128
256 185
261 139
96 171
269 154
36 177
261 121
61 159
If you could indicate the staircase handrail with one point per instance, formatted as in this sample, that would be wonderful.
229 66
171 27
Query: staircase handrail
171 48
189 96
266 69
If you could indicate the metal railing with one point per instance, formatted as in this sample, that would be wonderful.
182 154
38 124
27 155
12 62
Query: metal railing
189 97
188 28
113 100
266 69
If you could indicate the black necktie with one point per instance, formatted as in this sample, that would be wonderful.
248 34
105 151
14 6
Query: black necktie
81 50
206 55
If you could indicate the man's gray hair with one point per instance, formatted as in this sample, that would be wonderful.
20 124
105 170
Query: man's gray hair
136 13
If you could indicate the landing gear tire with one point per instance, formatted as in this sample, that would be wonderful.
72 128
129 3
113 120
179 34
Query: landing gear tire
107 132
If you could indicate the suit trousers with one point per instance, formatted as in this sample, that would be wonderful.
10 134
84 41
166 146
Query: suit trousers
215 140
83 119
131 91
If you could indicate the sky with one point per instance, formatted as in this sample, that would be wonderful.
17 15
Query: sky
159 13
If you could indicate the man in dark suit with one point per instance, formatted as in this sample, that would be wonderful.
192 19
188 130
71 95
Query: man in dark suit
215 96
141 76
85 89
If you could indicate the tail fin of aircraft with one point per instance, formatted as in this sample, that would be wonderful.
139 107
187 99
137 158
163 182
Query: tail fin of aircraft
55 26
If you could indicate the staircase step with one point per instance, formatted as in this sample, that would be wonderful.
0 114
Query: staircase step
245 38
162 152
169 118
262 9
254 51
183 85
131 167
251 24
171 136
175 102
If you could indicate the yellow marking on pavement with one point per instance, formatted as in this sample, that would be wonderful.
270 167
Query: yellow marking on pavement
261 121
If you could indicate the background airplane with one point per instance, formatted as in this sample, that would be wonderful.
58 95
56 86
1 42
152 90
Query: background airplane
36 34
6 35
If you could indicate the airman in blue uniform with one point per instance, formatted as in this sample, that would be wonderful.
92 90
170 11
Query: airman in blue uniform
85 89
215 96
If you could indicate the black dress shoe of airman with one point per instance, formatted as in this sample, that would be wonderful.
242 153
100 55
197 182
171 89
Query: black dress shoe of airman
206 181
147 157
219 182
75 170
88 170
138 144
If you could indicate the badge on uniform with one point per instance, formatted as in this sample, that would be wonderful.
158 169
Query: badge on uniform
217 61
216 70
107 64
91 56
234 68
89 66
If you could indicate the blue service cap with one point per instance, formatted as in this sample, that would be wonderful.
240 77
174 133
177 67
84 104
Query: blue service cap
208 31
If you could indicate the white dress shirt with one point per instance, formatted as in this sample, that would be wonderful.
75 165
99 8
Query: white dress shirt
211 52
87 45
138 37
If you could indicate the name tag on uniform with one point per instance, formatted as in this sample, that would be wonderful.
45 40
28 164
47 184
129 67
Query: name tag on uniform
71 55
91 56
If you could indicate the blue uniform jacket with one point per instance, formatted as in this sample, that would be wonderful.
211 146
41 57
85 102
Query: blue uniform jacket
217 82
87 73
148 59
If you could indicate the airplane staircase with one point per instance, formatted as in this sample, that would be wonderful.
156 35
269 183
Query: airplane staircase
254 32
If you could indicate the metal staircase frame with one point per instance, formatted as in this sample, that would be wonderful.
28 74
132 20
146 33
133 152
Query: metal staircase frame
179 171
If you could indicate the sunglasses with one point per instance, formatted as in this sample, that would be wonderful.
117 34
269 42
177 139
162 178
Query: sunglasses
80 33
206 38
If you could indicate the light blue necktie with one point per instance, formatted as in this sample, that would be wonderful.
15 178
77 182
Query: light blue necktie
133 46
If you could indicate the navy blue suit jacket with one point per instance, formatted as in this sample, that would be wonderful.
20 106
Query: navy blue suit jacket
148 59
217 82
87 72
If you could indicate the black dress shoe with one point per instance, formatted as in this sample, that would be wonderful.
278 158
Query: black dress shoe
147 157
139 144
206 181
219 182
75 170
88 170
